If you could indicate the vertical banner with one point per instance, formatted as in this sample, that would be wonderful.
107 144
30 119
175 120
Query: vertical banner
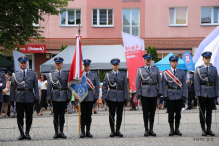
134 49
187 58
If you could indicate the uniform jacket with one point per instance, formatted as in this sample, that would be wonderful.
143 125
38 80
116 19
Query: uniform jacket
173 94
143 77
92 95
30 82
203 90
3 82
190 84
111 94
55 94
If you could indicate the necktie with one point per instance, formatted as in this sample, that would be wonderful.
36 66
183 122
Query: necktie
86 74
59 73
24 73
207 69
116 74
174 71
149 68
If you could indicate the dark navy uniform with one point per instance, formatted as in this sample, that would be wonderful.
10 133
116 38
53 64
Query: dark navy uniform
175 95
58 92
2 86
115 92
23 82
206 89
191 91
89 100
149 87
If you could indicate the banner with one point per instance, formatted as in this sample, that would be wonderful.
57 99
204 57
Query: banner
210 43
77 81
33 49
134 49
187 58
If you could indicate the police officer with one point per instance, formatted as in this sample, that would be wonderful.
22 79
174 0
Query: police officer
23 82
116 96
89 100
174 91
206 89
149 87
191 91
2 86
60 95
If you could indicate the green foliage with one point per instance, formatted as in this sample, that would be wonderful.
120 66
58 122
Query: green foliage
149 49
63 48
102 75
17 17
154 55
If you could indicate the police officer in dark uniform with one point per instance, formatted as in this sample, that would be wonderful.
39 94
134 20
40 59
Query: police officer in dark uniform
174 92
116 96
191 91
23 82
2 86
60 95
149 87
89 100
206 89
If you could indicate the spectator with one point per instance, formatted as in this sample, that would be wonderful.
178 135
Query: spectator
132 95
100 102
6 93
43 102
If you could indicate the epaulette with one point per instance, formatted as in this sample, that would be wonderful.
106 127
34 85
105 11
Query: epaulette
179 69
154 66
93 72
199 66
141 67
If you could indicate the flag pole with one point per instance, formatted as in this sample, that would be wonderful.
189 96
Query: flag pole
79 106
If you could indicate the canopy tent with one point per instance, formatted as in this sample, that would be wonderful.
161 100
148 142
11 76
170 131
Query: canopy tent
164 64
100 55
5 62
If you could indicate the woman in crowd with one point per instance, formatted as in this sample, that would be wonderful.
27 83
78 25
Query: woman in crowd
43 102
100 102
6 94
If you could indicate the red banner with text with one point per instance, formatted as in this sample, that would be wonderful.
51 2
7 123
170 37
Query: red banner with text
32 49
134 50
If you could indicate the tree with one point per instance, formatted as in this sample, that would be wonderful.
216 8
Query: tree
102 75
154 55
63 48
17 18
149 49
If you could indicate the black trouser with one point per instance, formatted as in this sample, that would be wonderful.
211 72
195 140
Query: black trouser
118 108
149 108
0 105
206 104
59 113
132 101
86 112
174 106
191 96
28 109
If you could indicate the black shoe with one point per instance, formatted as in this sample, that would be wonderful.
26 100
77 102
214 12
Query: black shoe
177 132
88 134
146 134
21 137
171 130
151 132
112 134
27 136
62 135
209 132
204 132
118 134
95 112
82 134
56 135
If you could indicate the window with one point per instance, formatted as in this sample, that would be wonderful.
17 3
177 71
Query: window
209 15
178 16
131 21
36 22
70 17
102 18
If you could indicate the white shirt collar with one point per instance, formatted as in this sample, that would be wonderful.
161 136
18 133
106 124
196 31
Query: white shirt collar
206 66
172 69
60 71
116 72
87 72
24 70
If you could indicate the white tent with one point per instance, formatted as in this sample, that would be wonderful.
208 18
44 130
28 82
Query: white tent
100 55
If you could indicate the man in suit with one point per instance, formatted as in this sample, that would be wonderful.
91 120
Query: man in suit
191 91
149 88
89 100
23 82
115 93
60 95
2 86
206 89
174 91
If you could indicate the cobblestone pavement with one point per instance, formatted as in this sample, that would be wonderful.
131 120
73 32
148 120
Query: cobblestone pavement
42 131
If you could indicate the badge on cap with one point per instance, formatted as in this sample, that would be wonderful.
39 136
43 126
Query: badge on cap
58 60
87 61
147 56
23 59
115 61
206 54
173 57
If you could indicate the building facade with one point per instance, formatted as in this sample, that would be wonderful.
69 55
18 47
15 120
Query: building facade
169 26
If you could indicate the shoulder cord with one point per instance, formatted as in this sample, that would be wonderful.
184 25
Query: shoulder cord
142 76
109 81
206 79
18 83
166 78
53 83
